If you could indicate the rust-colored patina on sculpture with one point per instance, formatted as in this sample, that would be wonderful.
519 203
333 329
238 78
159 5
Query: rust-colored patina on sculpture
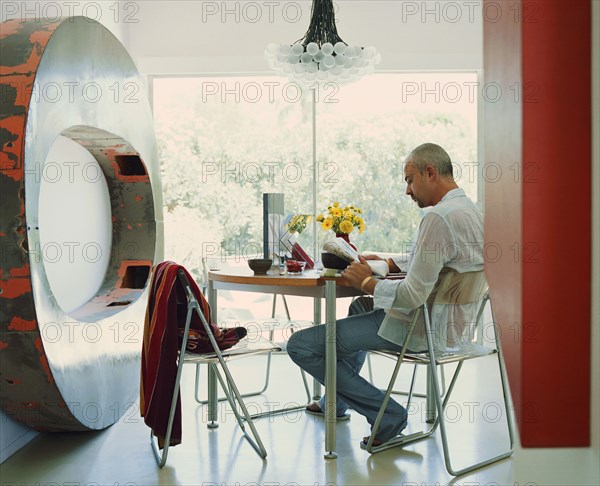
78 370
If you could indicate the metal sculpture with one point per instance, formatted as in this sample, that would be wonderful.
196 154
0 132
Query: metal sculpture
73 78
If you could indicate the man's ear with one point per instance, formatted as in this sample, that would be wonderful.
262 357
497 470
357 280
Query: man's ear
430 172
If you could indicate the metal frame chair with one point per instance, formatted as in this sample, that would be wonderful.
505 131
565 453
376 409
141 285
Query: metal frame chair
214 361
275 324
365 304
432 361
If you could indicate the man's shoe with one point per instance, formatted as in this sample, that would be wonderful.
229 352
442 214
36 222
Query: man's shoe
376 442
314 409
365 441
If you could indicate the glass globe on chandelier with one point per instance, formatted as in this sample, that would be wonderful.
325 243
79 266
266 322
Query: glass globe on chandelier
321 56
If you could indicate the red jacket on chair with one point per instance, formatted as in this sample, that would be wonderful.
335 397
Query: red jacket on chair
163 327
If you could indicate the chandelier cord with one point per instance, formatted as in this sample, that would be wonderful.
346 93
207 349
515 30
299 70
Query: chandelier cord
321 56
322 26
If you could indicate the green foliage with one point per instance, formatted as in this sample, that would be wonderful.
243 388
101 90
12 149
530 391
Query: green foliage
217 159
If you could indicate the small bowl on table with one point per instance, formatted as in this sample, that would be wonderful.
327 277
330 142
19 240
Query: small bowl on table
294 266
260 265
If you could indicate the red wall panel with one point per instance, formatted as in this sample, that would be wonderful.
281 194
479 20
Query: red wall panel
556 58
544 304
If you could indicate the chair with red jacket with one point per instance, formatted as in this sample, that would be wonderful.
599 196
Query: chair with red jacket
177 325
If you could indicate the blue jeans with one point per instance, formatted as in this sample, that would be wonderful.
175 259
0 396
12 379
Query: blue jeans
354 336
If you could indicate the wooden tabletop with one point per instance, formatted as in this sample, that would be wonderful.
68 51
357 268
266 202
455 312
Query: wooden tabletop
244 275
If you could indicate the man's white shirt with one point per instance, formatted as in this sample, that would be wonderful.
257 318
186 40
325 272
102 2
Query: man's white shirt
450 236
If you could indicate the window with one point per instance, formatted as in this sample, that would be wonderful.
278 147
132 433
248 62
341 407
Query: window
367 128
223 141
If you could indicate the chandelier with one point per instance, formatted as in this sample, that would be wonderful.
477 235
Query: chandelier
322 56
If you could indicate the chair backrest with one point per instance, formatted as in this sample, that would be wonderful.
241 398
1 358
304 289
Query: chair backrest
458 288
454 308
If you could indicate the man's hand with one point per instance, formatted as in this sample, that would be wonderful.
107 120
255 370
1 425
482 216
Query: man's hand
372 257
357 272
392 266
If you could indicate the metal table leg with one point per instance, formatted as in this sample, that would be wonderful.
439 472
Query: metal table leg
316 321
330 370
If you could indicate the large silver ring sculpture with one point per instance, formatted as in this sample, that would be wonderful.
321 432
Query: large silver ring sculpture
77 370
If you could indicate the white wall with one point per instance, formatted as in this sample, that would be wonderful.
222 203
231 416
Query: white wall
184 37
112 14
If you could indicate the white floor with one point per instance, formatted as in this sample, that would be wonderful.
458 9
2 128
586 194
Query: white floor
121 454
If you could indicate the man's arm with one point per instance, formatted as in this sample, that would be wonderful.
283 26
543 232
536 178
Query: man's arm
391 264
433 248
359 273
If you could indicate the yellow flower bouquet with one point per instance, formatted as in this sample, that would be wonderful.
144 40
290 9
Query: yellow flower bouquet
342 220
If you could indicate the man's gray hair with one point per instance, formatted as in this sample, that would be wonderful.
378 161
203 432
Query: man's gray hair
430 153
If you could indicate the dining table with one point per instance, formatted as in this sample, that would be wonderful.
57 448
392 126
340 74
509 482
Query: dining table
310 283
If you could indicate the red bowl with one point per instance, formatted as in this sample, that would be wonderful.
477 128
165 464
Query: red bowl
294 266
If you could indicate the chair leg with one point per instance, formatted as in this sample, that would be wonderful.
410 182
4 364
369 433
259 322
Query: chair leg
255 393
283 410
424 395
252 394
412 387
400 440
244 395
212 423
430 407
306 387
440 406
233 395
161 458
442 423
443 380
285 306
394 392
302 373
197 386
267 372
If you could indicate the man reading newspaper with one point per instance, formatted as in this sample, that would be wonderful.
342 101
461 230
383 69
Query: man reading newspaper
449 238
